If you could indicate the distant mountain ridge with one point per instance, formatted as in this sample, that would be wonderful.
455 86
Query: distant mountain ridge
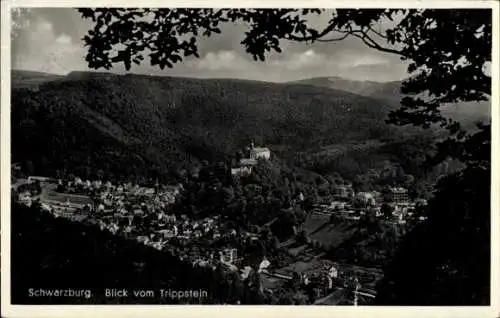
31 79
467 112
152 125
382 90
388 91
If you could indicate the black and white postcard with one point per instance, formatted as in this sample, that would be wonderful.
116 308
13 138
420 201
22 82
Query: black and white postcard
250 158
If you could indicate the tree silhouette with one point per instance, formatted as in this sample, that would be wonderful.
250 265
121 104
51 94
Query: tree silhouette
446 260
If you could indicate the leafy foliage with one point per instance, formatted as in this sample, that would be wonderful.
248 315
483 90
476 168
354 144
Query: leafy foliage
446 260
262 199
449 50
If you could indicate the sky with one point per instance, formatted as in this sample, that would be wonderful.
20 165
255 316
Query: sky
49 40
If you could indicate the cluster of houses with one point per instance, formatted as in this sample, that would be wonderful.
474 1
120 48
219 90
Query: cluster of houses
166 227
322 277
77 185
27 190
351 205
145 214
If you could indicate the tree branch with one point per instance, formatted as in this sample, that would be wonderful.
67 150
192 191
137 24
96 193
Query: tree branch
372 44
377 33
321 34
334 39
361 34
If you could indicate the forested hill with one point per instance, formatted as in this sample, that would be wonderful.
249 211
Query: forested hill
31 79
135 124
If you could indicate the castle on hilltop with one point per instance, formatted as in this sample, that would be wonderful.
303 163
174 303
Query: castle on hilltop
259 152
245 164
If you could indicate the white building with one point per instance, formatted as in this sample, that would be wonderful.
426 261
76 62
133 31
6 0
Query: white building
338 205
228 255
259 152
365 198
170 218
264 265
248 162
32 179
344 191
398 195
25 198
422 202
241 171
245 272
333 272
300 198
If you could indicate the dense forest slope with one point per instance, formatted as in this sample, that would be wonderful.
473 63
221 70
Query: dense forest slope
102 124
123 124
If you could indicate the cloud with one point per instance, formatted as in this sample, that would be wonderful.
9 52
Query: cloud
356 60
63 39
344 60
51 42
221 60
303 60
293 66
40 49
45 26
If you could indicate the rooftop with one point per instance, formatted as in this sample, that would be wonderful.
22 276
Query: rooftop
398 190
248 162
260 149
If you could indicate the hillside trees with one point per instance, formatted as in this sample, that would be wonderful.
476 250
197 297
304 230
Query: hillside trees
129 128
263 198
450 61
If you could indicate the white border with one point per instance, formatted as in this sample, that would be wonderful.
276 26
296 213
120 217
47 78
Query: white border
493 311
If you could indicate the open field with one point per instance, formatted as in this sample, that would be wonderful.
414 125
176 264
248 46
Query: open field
319 228
49 193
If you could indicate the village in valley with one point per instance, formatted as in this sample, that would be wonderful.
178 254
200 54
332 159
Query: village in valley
249 156
150 215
